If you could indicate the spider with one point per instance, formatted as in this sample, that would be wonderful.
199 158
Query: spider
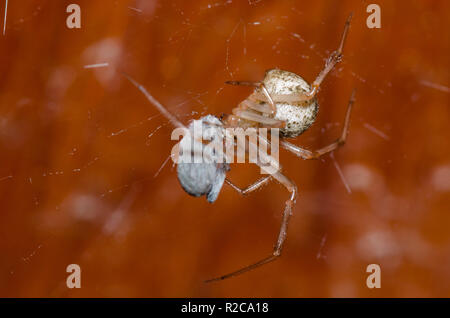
281 100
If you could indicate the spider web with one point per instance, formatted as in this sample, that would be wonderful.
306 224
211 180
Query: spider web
104 57
247 40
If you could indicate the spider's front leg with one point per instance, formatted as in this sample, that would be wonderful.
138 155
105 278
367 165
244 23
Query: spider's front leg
307 95
273 108
331 62
251 109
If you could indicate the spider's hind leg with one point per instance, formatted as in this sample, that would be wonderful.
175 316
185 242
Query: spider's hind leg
250 188
307 154
292 188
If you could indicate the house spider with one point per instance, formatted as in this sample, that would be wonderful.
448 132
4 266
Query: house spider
282 100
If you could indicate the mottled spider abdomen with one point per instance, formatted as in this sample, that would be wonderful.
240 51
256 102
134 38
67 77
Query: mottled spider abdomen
205 177
285 88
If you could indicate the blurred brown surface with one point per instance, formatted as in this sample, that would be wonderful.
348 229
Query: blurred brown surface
77 165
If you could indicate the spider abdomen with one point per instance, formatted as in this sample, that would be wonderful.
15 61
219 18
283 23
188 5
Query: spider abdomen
285 88
297 118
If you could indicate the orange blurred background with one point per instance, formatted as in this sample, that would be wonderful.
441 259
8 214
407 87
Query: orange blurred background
81 150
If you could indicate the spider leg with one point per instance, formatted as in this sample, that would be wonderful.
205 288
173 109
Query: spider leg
306 154
250 188
331 62
260 107
253 116
292 188
244 83
171 117
262 87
